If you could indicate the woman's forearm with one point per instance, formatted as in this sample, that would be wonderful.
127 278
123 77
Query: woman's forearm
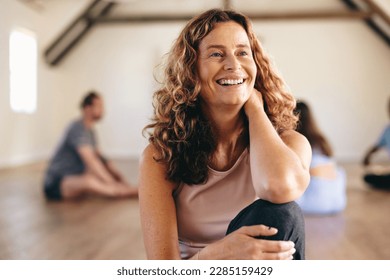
278 173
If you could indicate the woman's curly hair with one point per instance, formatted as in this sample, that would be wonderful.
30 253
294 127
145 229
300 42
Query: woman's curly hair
180 133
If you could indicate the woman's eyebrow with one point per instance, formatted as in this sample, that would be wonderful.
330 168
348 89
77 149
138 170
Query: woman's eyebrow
216 46
243 46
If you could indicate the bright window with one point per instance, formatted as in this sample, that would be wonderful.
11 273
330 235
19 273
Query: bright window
23 71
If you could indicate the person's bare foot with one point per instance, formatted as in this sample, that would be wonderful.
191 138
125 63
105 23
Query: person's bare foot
128 190
132 192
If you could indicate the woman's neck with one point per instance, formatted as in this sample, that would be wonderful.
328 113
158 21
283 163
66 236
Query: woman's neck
228 131
226 122
231 137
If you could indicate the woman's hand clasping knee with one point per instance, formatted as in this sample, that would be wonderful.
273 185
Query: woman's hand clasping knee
243 244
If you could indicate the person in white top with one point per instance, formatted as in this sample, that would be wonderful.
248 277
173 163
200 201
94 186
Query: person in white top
224 164
327 190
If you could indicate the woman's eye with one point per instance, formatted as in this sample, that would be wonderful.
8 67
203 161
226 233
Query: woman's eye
216 54
243 53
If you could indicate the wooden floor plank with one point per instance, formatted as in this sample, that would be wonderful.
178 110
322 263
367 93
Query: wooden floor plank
33 228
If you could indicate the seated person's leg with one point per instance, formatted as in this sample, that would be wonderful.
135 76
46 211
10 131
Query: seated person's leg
378 181
74 186
79 185
52 187
287 218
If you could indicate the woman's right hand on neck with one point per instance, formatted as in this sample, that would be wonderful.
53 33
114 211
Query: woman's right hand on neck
255 103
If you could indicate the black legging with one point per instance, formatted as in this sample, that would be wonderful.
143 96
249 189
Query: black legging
287 218
378 181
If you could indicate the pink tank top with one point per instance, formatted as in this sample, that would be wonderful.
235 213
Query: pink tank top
205 211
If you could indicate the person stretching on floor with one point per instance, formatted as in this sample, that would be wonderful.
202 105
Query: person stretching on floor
78 168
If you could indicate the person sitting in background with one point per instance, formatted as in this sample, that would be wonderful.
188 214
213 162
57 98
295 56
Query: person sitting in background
379 179
326 193
77 167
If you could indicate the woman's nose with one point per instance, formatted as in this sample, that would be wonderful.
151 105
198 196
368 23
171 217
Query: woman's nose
232 63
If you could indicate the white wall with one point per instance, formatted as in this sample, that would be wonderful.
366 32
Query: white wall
340 67
119 61
24 137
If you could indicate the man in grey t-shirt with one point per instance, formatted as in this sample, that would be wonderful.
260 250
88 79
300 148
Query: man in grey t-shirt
77 167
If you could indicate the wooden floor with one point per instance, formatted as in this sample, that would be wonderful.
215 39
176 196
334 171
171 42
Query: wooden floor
33 228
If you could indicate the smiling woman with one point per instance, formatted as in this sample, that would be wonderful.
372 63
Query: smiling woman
224 163
225 66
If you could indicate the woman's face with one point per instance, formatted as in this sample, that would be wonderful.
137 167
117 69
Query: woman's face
225 66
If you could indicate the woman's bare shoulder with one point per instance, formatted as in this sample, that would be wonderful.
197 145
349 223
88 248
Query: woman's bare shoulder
152 170
150 156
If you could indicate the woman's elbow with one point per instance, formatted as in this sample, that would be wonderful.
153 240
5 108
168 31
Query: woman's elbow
285 188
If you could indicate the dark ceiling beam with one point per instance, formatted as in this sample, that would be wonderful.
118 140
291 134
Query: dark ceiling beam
374 7
314 15
76 31
257 17
142 18
375 10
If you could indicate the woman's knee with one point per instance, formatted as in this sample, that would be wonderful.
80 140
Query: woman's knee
286 217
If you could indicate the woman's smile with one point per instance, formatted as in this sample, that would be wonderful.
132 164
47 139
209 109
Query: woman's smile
226 67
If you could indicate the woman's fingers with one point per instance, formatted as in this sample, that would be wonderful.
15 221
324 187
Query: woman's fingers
258 230
286 255
267 249
275 246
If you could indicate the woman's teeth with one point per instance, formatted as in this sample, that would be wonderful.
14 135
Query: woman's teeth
230 82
